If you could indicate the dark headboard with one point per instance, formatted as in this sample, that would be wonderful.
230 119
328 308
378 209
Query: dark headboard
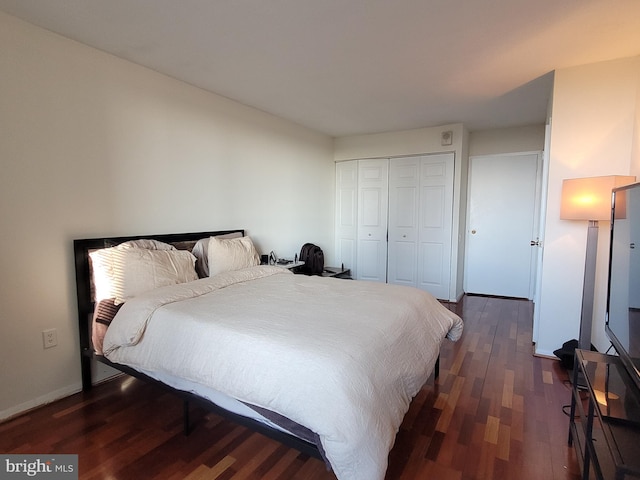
81 249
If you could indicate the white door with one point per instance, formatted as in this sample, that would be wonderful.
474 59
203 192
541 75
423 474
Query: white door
373 191
347 214
542 208
634 249
420 222
436 222
502 225
404 196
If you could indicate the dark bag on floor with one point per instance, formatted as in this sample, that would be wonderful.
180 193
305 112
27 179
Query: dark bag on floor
313 259
567 353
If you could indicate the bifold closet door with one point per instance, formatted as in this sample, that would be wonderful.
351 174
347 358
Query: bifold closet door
347 214
436 224
421 221
373 191
404 201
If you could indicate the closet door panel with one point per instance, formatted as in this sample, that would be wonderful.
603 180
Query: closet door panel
372 209
404 195
369 253
346 214
404 269
431 255
373 188
346 253
347 211
433 199
436 221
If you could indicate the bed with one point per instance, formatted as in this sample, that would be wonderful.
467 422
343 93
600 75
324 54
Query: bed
325 365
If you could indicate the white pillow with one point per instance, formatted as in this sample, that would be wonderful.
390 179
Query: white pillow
122 273
201 251
231 254
147 243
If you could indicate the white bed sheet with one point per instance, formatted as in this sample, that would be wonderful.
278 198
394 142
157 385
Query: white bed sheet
343 358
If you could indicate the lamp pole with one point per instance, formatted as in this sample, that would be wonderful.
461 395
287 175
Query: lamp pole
588 287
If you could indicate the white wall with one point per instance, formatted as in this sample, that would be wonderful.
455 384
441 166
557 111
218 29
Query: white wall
401 143
92 145
529 138
594 131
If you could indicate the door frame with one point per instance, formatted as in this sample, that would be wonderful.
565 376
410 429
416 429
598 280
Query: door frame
536 228
542 216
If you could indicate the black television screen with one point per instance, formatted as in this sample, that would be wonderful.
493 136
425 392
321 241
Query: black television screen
623 299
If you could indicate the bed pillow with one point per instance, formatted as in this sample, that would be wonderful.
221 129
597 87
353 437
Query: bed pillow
201 251
102 316
124 272
231 254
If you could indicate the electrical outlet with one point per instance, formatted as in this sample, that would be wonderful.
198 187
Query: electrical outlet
50 338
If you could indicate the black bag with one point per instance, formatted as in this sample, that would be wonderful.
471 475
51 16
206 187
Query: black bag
313 259
567 352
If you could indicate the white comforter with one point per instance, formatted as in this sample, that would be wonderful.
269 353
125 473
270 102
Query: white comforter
343 358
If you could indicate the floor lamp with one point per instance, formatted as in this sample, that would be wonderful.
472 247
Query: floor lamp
589 199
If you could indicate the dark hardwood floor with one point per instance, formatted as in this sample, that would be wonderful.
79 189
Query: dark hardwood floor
494 413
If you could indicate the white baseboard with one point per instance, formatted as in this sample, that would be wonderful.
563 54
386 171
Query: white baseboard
99 372
545 354
38 402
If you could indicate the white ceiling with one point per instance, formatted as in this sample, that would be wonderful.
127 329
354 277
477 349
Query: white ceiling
347 67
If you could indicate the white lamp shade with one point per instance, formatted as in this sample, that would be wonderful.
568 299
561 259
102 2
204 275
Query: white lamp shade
590 198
